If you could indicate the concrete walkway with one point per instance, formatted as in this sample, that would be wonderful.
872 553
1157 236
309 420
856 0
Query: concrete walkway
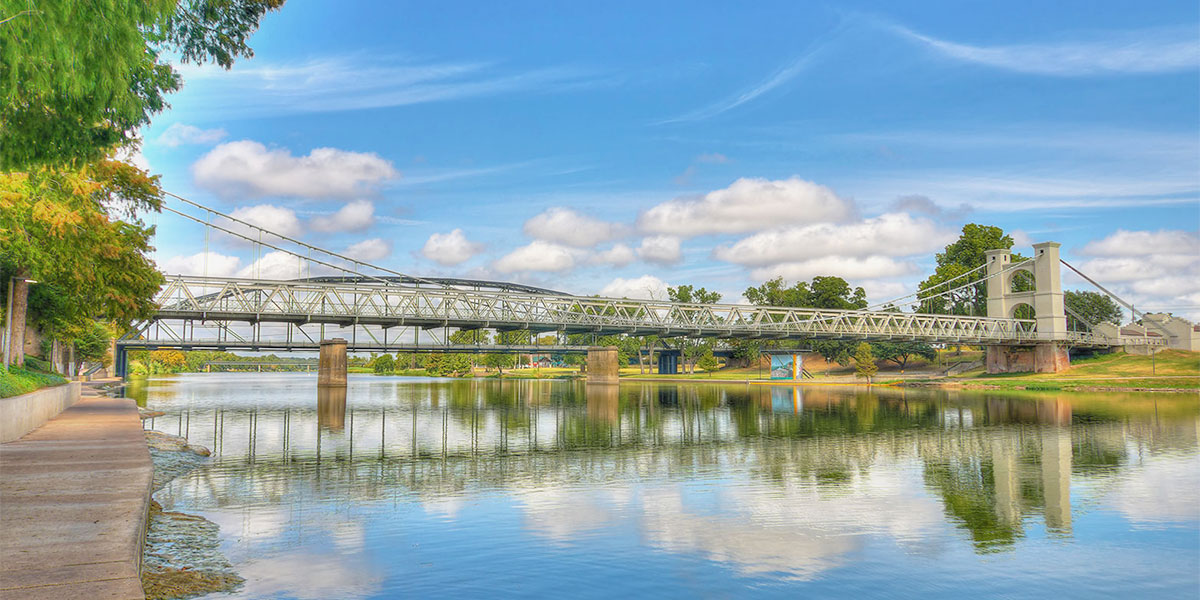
73 500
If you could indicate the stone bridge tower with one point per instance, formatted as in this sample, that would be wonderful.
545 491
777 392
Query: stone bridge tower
1048 353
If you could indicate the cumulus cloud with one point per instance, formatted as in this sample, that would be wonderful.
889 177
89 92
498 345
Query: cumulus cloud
450 249
617 256
850 268
208 264
748 205
179 134
537 256
355 216
565 226
278 265
275 219
893 234
661 249
923 205
369 250
250 168
646 287
1155 270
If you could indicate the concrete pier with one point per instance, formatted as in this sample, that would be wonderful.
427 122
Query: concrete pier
331 368
1047 357
74 496
602 364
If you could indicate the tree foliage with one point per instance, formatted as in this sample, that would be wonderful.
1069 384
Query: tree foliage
864 361
78 78
384 363
901 352
960 257
1093 307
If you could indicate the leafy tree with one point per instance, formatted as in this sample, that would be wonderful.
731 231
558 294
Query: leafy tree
864 361
687 294
901 352
1094 307
77 79
384 363
77 232
708 362
167 361
960 257
499 361
829 292
92 344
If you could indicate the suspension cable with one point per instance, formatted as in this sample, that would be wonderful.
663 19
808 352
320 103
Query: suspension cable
1132 311
310 247
933 287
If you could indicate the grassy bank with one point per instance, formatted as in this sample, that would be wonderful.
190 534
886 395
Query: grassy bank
1169 369
22 380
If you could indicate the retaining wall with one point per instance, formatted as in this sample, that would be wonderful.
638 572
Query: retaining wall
21 414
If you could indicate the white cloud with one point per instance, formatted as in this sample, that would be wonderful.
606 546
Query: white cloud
355 216
1155 270
1145 243
248 167
646 287
1147 51
179 134
275 219
715 158
748 205
893 234
849 268
450 248
279 265
208 264
565 226
661 249
134 157
617 256
369 250
537 256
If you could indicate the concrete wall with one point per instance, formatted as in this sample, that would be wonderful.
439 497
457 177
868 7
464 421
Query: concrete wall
602 364
1046 357
21 414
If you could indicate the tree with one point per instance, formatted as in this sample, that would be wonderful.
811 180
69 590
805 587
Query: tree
77 79
1093 307
864 361
167 361
384 363
828 292
960 257
499 361
77 232
708 362
687 294
901 352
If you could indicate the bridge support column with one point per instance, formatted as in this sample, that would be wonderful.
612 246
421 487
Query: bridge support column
668 363
1046 357
602 364
331 368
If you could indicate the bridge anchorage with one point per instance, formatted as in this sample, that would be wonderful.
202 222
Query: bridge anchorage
395 312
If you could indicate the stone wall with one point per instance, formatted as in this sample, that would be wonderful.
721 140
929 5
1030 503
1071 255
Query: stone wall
21 414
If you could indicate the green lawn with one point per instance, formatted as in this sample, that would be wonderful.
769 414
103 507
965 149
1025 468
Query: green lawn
1167 369
22 380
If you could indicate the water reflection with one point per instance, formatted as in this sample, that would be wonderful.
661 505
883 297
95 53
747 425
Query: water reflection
778 484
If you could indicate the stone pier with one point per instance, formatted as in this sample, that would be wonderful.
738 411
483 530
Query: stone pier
331 369
602 364
1046 357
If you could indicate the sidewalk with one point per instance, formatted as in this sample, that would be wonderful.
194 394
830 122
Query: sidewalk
74 494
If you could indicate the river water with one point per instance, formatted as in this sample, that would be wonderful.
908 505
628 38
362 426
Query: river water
409 487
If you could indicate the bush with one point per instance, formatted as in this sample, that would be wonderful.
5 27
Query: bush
22 380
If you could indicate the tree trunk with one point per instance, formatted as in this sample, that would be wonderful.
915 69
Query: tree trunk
16 343
641 362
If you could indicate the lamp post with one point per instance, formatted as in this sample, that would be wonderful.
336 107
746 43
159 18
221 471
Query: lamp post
12 281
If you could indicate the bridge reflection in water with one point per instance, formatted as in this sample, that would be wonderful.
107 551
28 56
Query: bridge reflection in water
994 461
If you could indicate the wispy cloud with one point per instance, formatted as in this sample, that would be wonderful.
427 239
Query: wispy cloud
355 83
1160 50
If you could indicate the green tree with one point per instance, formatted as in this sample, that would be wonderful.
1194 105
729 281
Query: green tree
78 233
829 292
864 361
499 361
901 352
78 78
384 363
687 294
958 258
708 362
1093 307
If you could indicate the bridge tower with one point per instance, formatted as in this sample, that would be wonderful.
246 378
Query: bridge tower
1047 354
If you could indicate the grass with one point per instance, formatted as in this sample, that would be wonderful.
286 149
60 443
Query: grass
1169 369
22 380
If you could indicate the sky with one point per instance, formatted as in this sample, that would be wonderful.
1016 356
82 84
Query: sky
621 147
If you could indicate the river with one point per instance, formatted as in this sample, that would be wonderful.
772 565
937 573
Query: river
485 488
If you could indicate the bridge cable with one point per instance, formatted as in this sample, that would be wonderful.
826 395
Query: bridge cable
933 287
310 247
1132 311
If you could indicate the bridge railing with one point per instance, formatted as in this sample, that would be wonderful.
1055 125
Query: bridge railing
201 298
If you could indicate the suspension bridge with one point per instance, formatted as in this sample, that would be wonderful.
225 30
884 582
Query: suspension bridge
374 308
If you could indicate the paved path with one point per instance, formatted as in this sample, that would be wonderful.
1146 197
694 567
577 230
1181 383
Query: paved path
73 500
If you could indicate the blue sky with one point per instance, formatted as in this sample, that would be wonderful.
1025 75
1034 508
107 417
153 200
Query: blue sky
621 147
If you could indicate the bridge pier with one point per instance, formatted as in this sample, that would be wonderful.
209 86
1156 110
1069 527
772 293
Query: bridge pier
668 363
602 364
331 368
1046 357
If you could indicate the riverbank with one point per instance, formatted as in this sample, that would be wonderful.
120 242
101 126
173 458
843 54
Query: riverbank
76 492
